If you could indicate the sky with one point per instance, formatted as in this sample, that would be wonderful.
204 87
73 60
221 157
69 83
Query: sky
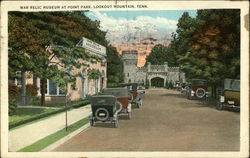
136 26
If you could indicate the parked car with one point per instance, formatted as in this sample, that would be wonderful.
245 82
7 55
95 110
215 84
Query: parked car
123 96
132 87
105 108
141 89
198 89
230 97
184 87
177 86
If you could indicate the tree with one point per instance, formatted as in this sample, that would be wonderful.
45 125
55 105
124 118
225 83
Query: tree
45 43
114 67
160 54
208 46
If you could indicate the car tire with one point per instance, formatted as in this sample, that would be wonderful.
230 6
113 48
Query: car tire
100 118
200 93
92 122
138 105
219 106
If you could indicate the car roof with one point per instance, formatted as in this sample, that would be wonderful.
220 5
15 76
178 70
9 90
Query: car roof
118 92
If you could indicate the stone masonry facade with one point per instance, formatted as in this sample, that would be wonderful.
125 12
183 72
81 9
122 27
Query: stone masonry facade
133 73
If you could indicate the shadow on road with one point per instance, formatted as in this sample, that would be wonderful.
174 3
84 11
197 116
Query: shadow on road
104 125
123 117
174 95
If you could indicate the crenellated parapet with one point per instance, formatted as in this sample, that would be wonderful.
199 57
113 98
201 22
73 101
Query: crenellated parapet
173 69
142 69
157 68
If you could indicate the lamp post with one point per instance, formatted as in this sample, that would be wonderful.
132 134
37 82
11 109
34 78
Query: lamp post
66 106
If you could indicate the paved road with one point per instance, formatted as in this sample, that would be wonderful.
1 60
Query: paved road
166 122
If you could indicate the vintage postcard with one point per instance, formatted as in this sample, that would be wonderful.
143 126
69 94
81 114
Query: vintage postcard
125 79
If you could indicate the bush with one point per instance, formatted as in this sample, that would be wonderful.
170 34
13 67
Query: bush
31 90
14 91
14 94
34 101
12 106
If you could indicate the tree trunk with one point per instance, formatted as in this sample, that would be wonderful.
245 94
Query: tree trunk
34 80
23 87
213 91
43 87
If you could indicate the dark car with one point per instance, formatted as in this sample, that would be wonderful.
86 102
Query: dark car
197 89
123 96
105 108
230 97
132 87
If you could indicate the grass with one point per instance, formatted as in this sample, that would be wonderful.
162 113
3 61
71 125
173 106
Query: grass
43 143
27 113
30 115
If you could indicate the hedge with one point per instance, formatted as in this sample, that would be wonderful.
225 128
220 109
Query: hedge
74 105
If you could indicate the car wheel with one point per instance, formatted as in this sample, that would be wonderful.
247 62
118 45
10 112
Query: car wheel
92 122
137 105
200 92
219 106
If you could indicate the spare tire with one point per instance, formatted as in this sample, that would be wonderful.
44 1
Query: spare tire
102 114
200 92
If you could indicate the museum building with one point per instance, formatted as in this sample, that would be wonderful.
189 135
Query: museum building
84 85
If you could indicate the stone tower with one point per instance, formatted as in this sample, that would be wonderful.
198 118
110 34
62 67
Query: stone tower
129 65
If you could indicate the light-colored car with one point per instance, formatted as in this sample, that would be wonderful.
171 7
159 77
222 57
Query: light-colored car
141 89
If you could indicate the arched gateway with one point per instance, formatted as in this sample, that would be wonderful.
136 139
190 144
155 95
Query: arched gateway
149 73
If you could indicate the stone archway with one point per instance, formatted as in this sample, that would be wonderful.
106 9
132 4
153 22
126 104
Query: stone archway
162 80
157 82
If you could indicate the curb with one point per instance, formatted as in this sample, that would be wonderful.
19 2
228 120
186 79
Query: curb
64 139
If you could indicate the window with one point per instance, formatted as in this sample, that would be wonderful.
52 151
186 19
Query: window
53 89
128 74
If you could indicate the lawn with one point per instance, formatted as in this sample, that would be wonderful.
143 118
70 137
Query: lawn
26 113
45 142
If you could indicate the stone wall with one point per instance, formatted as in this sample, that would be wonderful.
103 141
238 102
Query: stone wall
132 73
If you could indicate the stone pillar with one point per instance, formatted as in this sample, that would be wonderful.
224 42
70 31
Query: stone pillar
149 83
164 85
149 66
166 66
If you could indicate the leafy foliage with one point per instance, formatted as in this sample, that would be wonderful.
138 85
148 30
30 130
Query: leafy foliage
45 43
208 46
31 90
114 67
160 54
94 73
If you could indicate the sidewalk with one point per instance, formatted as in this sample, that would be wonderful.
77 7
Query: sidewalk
24 136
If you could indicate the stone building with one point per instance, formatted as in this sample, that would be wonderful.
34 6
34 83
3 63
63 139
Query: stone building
84 85
133 73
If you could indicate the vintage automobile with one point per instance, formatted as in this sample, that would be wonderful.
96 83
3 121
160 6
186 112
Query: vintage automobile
141 89
123 96
177 86
105 108
132 87
230 97
198 89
